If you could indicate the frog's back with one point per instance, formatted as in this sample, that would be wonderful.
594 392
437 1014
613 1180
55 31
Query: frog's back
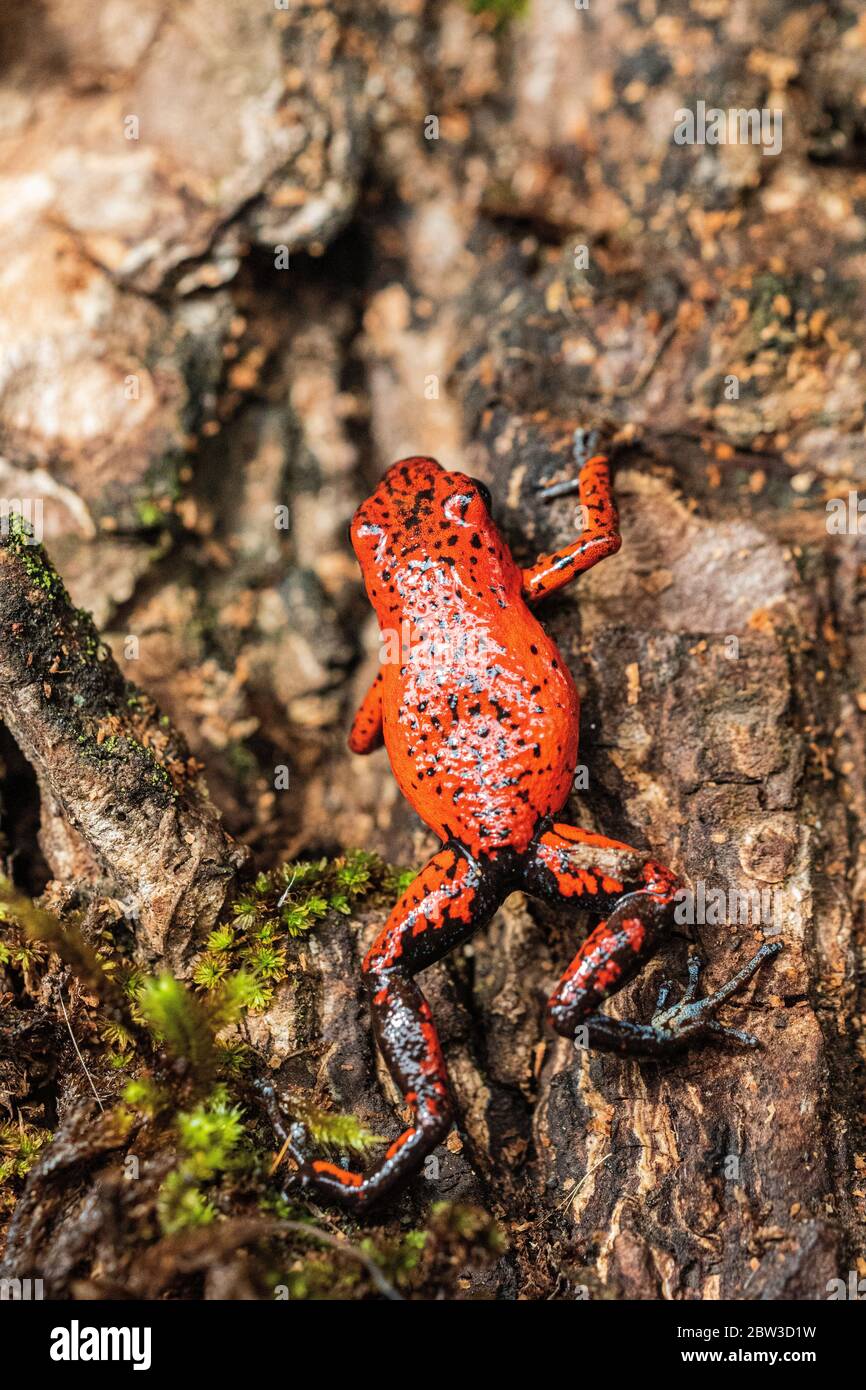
480 712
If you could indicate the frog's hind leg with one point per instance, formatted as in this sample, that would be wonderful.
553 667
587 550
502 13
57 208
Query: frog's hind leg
451 897
637 898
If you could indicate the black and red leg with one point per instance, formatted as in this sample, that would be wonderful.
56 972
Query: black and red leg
451 897
637 899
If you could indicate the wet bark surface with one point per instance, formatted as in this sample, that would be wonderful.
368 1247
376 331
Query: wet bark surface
552 259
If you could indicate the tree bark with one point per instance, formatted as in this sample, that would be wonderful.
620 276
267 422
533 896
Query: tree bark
552 260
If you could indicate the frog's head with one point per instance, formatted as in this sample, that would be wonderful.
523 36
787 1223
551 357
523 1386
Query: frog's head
420 510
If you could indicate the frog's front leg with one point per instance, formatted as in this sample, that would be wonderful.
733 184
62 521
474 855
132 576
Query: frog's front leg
600 538
366 733
446 903
637 898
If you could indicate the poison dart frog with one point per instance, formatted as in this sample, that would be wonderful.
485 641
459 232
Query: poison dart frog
479 716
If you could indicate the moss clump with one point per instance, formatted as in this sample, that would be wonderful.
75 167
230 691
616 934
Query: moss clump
188 1091
214 1144
457 1240
88 646
34 561
319 1277
20 1145
29 933
288 903
188 1024
343 1136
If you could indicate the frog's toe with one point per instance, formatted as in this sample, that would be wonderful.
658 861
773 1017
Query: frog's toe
584 445
694 1018
695 967
734 1035
664 994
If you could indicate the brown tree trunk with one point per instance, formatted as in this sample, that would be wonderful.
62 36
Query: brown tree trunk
548 258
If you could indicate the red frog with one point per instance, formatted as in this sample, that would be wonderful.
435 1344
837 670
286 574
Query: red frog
479 716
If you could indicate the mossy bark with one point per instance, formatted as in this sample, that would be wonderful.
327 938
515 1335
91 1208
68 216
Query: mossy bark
132 807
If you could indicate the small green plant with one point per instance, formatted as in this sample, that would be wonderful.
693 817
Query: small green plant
31 933
398 1259
287 904
143 1094
329 1130
186 1066
188 1024
213 1142
320 1277
20 1144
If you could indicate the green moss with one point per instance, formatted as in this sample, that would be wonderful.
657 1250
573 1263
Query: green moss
143 1094
35 931
341 1134
20 1145
221 939
187 1024
288 903
188 1081
400 1258
502 9
182 1204
89 640
214 1144
34 560
210 971
130 749
449 1219
320 1277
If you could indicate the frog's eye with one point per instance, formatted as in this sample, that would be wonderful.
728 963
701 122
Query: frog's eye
485 493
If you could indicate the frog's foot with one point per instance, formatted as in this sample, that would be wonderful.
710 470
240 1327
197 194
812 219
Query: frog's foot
695 1018
355 1190
691 1020
291 1135
599 534
585 446
568 864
